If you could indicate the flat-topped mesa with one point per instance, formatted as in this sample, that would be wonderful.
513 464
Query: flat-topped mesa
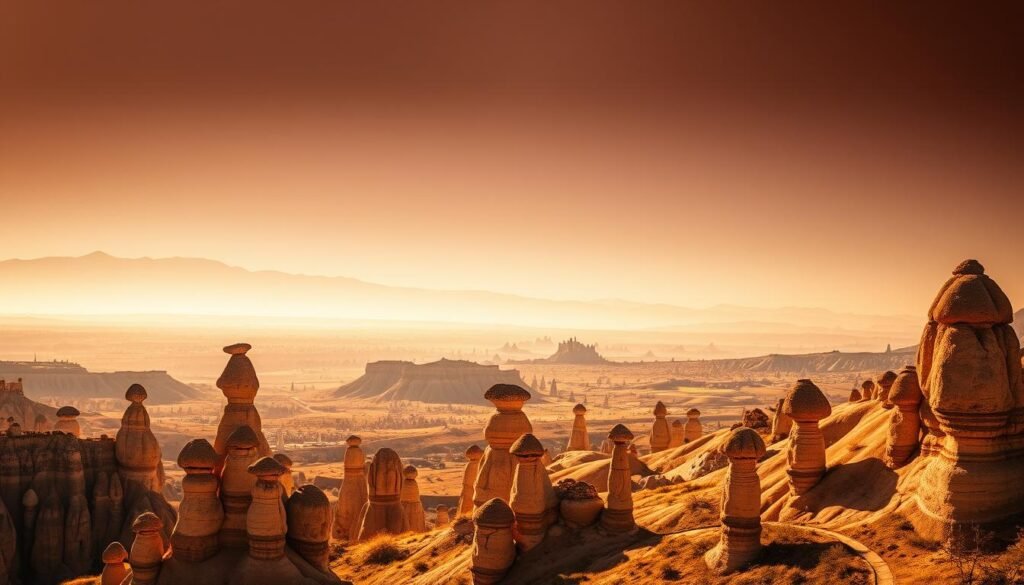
618 516
867 390
969 368
412 506
883 386
138 454
806 405
782 425
741 504
494 550
147 550
266 523
67 421
239 384
353 493
200 514
287 480
382 513
530 488
237 485
905 422
473 455
441 517
114 567
678 437
694 429
660 433
497 468
579 440
309 525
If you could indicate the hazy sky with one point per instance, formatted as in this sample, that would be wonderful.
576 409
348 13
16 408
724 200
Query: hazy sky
686 152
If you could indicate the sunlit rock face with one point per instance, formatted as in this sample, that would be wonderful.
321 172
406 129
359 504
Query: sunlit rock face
905 421
353 494
239 384
529 498
497 467
740 541
412 506
382 513
694 429
578 438
806 405
970 372
473 456
494 549
618 516
661 435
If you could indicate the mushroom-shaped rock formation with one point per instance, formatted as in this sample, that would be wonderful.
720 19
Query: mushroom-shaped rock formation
579 440
265 521
497 468
493 547
309 525
806 405
147 550
855 395
883 385
782 425
969 368
239 384
618 516
660 433
693 427
114 567
67 421
200 514
905 423
473 455
237 485
136 448
530 488
441 517
353 494
412 507
287 481
678 430
867 390
382 512
741 504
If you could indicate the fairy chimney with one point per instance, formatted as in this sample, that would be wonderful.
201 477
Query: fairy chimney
740 540
115 569
883 385
505 426
578 438
67 421
382 513
660 433
200 514
441 517
266 523
693 426
618 516
867 390
473 455
353 494
309 525
239 384
529 498
287 480
136 448
147 550
412 507
678 434
905 423
782 425
855 395
493 548
237 485
806 405
969 368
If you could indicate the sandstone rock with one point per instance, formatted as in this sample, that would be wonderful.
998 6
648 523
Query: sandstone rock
529 500
200 513
741 504
806 405
412 507
353 494
382 512
855 395
67 421
115 569
494 550
905 423
287 481
473 455
441 517
237 485
266 523
579 440
883 386
309 525
694 429
497 468
782 425
239 384
147 550
678 434
660 433
867 390
137 450
618 516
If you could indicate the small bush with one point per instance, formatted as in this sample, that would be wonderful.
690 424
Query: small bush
421 567
669 574
383 551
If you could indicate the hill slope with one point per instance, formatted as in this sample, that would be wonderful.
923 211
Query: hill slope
63 380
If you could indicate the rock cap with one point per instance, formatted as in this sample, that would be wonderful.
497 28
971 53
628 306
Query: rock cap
527 446
805 401
237 348
620 434
267 467
660 409
197 454
147 522
744 443
579 409
474 452
114 553
284 459
66 411
494 513
353 441
243 438
136 393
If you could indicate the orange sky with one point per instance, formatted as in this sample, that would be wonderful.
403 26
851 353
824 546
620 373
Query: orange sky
659 153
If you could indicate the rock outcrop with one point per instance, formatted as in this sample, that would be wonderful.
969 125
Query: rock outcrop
309 525
200 513
782 425
497 467
678 434
287 479
441 517
412 506
660 433
382 512
806 405
473 455
239 384
67 421
353 494
905 423
867 390
741 504
530 499
883 385
618 516
694 429
579 440
236 485
494 550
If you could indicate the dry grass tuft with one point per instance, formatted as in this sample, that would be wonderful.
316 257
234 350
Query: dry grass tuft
382 550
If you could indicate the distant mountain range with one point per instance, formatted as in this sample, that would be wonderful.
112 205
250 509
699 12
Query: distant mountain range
103 285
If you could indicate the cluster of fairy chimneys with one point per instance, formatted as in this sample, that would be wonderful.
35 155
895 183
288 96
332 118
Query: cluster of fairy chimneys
241 520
